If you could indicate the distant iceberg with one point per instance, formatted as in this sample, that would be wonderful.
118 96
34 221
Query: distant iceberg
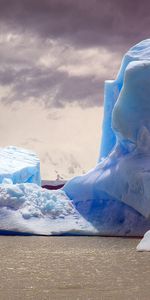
19 165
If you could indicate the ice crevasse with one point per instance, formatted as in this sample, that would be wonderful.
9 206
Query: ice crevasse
111 199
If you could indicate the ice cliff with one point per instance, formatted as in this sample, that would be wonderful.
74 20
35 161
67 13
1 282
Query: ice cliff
111 199
112 88
19 165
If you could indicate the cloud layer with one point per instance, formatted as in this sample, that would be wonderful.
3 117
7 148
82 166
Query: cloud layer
62 51
85 22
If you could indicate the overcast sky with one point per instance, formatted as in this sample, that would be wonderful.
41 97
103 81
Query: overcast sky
55 56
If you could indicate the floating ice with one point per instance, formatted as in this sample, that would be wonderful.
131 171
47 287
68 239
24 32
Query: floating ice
144 244
111 199
18 165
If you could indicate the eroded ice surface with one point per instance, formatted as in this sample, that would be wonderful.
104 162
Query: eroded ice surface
19 165
29 208
112 88
124 175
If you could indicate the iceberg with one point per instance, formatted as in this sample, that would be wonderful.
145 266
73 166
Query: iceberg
18 165
123 172
113 198
144 244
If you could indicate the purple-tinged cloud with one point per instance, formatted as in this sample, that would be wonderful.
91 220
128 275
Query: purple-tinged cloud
60 51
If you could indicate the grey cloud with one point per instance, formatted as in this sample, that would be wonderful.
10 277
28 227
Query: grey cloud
113 25
85 22
54 88
86 91
7 76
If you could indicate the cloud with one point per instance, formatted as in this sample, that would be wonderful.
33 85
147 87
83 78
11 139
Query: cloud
61 51
83 22
53 72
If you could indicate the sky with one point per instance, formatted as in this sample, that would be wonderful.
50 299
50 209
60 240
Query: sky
54 58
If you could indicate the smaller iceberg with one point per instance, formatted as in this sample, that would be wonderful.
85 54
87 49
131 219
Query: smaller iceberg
19 165
144 244
26 207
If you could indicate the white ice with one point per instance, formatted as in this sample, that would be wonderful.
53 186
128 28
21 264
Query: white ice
19 165
28 208
144 244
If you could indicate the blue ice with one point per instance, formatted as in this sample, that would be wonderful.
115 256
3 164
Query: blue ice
18 165
112 88
111 199
123 172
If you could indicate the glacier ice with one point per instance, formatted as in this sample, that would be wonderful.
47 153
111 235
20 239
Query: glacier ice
19 165
111 199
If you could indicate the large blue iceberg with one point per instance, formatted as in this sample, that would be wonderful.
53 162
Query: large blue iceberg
114 197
